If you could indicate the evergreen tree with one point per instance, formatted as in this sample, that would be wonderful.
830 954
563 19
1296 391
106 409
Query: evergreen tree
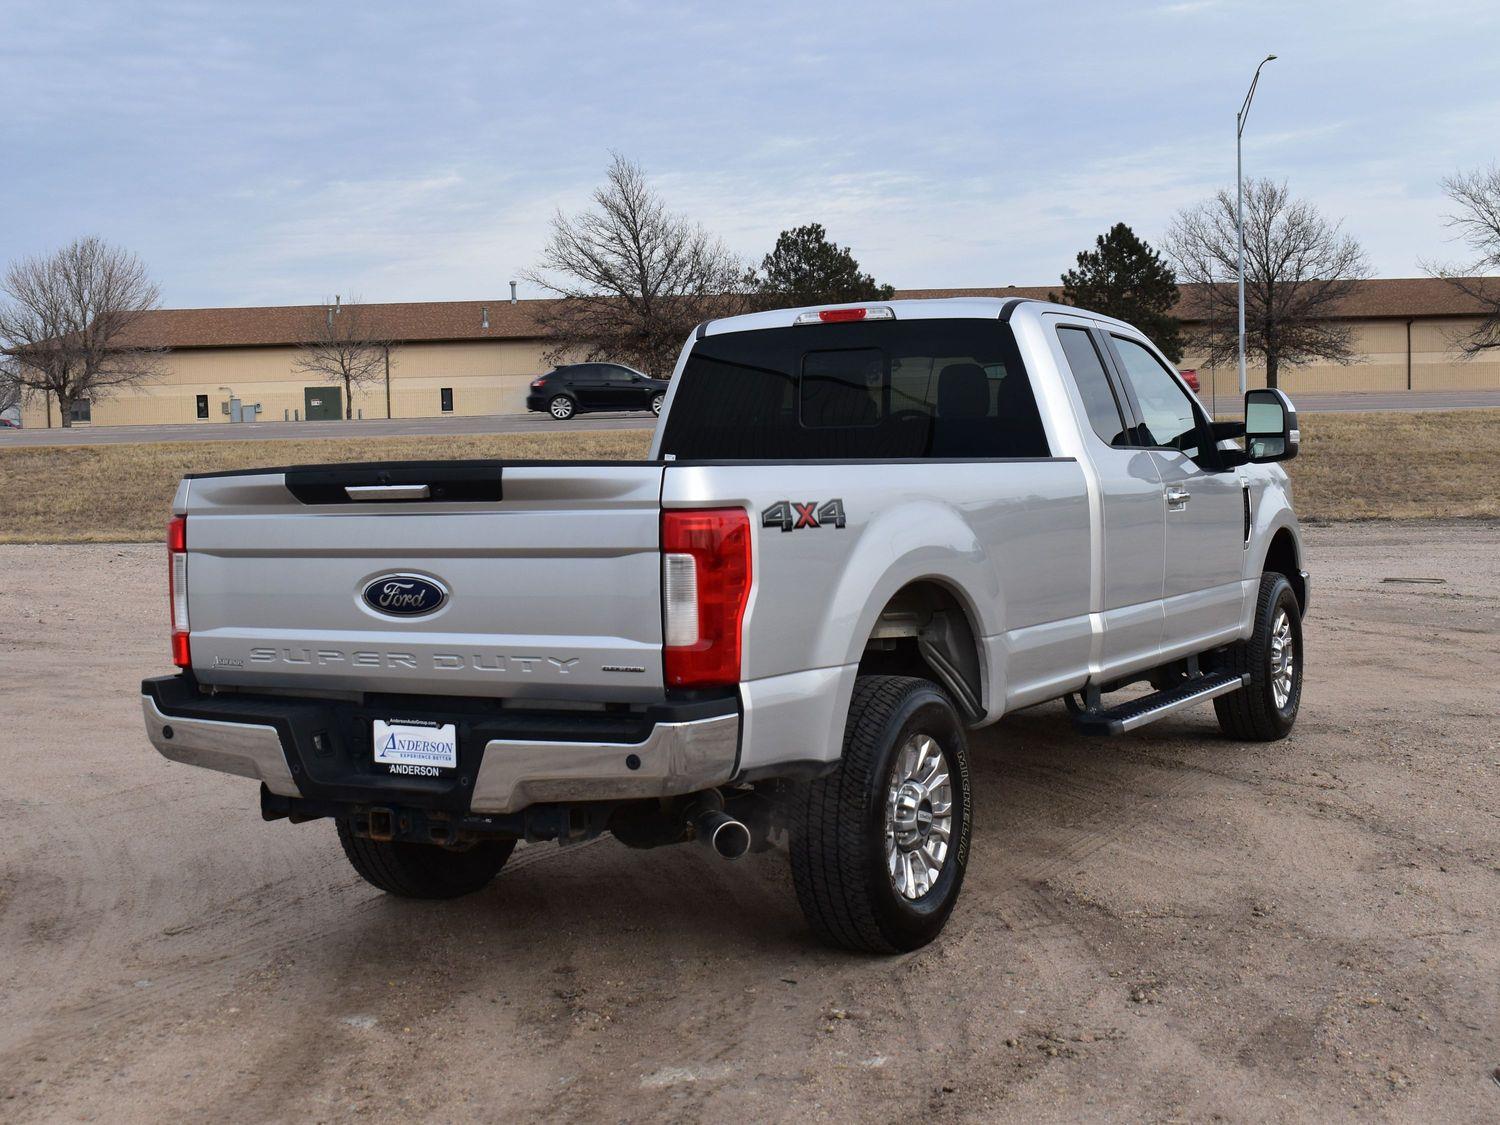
1124 278
807 269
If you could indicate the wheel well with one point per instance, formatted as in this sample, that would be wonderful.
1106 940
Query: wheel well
924 631
1281 557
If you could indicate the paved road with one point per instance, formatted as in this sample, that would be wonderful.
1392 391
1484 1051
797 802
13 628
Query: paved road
264 431
1370 401
528 423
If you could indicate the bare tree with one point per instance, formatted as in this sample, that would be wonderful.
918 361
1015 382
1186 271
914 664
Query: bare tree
1477 225
1298 267
10 386
66 325
341 344
632 277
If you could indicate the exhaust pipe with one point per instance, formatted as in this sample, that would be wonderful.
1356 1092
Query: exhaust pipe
728 837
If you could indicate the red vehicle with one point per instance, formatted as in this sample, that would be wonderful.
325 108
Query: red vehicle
9 424
1190 377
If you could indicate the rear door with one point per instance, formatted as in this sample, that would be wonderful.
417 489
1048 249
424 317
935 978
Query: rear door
1132 554
527 581
586 380
1204 507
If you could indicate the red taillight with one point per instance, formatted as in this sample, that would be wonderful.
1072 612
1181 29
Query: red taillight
536 384
833 316
177 596
705 586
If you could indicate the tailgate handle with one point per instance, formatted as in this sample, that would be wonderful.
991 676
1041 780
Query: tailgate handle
387 491
416 482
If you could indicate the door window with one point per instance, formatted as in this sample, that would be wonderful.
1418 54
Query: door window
1168 419
1094 386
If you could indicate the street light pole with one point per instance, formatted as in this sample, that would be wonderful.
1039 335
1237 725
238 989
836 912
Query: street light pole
1239 190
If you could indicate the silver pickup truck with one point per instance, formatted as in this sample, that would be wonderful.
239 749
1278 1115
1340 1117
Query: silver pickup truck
862 532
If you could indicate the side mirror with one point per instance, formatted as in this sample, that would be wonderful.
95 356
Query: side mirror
1271 432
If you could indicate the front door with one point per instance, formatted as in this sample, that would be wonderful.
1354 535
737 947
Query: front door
323 404
1202 596
622 389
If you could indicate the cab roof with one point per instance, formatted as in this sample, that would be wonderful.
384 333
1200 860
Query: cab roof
939 308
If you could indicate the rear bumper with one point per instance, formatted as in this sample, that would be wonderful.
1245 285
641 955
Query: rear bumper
508 760
536 401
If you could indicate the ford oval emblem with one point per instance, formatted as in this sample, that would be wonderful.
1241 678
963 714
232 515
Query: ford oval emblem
404 595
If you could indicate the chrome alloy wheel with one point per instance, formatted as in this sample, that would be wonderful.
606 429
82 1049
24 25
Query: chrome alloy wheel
1283 659
918 816
562 408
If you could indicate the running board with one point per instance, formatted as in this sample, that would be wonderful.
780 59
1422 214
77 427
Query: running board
1148 708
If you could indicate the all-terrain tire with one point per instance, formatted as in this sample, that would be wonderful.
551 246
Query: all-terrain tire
1254 713
838 831
423 870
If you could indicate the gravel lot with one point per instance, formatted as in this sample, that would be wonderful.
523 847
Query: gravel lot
1168 926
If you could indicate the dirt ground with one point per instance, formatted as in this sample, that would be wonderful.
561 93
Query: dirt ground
1168 926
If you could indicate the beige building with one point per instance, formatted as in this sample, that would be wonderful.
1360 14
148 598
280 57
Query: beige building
476 357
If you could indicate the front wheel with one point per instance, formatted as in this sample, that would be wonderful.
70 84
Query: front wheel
1266 707
879 846
423 870
561 408
656 401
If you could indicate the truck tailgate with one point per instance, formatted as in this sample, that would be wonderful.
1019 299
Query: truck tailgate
551 591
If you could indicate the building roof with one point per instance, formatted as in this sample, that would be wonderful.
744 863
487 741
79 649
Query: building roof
424 321
1373 299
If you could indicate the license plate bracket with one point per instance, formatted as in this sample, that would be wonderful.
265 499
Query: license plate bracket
415 747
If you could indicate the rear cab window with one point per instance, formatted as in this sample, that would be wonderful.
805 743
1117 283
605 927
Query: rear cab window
854 391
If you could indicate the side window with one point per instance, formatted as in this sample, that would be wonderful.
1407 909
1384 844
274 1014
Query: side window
1093 385
1167 414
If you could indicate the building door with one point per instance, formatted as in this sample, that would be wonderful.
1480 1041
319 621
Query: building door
323 403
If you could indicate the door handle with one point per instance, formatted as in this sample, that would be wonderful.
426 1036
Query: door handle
1177 499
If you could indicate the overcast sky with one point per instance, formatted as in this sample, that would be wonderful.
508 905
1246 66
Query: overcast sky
279 153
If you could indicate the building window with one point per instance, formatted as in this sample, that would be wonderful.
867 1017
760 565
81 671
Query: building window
446 394
82 411
203 406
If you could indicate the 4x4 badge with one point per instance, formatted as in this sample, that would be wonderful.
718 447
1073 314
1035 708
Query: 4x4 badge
791 515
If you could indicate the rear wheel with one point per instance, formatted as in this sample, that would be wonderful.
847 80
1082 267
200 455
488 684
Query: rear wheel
879 846
423 870
1265 709
561 408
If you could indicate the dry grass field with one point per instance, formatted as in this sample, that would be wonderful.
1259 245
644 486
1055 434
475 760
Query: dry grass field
123 493
1352 466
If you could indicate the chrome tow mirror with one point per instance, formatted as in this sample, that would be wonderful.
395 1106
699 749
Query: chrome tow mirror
1271 432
